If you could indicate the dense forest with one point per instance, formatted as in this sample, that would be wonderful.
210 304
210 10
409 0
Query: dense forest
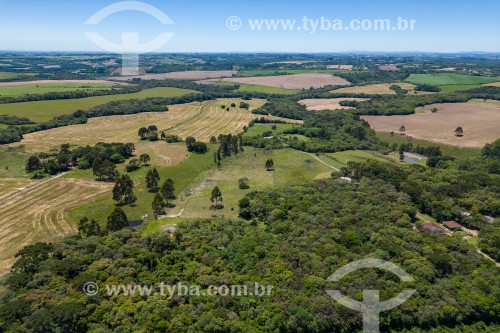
293 239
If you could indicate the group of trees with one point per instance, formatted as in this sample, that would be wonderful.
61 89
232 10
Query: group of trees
294 250
150 133
196 146
164 194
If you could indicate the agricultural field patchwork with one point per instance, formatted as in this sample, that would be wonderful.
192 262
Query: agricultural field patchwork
199 119
478 119
252 87
186 75
41 111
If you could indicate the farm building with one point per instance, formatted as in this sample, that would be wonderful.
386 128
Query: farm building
452 225
431 227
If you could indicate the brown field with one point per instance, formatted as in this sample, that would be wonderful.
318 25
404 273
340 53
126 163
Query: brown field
447 69
344 67
162 153
478 119
198 119
39 213
493 84
388 68
317 104
378 89
295 81
22 83
187 75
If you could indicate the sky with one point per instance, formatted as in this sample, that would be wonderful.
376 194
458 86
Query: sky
203 25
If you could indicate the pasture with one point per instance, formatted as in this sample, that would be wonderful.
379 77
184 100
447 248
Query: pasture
41 111
256 88
318 104
440 79
478 119
44 88
38 213
295 81
199 119
186 75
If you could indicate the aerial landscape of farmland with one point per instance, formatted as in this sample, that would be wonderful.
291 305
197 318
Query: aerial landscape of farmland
254 166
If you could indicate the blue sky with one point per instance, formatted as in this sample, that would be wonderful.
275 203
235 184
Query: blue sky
200 25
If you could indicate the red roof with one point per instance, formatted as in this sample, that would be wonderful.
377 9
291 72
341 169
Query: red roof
452 225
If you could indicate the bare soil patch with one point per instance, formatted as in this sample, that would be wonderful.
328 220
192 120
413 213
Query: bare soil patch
478 119
388 68
317 104
295 81
379 89
187 75
344 67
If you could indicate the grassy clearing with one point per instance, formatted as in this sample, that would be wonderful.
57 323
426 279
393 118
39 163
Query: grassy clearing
449 78
445 149
10 75
449 88
46 110
340 159
36 89
12 163
259 129
183 174
261 89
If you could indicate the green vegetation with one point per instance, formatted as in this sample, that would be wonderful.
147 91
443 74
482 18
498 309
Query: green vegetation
260 129
46 110
441 79
449 88
12 162
44 88
243 87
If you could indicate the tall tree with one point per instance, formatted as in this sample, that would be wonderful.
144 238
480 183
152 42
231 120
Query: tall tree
123 192
143 133
189 142
117 220
459 131
167 190
269 165
158 205
216 196
144 159
152 180
402 130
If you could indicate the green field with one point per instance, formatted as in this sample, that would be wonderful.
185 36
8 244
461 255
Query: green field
256 88
449 88
12 162
271 72
258 129
46 110
449 78
35 89
445 149
341 158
